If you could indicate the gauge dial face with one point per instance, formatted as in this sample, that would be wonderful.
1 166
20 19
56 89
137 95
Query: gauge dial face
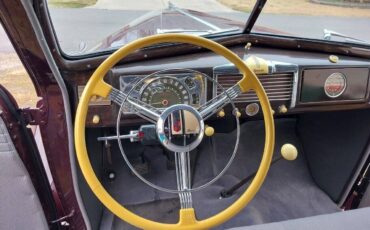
164 92
335 85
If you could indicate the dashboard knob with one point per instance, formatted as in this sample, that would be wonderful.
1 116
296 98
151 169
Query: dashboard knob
221 113
333 58
252 109
237 113
96 119
289 152
283 109
209 131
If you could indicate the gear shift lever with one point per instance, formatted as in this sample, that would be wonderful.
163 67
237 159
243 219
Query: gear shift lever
288 152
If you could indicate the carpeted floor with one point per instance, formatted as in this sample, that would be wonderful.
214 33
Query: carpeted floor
288 192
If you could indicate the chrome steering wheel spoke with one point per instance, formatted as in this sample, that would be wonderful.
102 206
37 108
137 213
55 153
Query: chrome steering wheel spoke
183 178
215 104
141 109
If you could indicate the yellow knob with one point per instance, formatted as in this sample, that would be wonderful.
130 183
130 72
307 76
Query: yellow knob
209 131
333 58
283 109
289 152
237 113
96 119
221 113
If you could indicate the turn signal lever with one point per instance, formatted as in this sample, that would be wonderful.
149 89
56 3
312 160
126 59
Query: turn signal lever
288 152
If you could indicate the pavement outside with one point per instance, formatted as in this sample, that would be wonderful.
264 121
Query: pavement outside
13 76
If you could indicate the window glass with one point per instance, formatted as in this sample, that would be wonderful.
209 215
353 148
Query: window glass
13 75
86 26
335 20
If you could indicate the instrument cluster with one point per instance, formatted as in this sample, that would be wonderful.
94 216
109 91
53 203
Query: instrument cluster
163 90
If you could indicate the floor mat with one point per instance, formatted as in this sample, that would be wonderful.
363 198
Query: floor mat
288 192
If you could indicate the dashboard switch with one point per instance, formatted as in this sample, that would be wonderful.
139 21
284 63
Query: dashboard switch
283 109
237 113
289 152
209 131
96 119
221 113
333 58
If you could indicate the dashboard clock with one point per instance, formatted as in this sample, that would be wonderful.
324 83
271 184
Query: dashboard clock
335 85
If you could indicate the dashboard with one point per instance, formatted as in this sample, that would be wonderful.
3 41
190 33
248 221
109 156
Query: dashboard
295 82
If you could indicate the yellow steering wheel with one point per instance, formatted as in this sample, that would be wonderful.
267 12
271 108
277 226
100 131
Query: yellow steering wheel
187 217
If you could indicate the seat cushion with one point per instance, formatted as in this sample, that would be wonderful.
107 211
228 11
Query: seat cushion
20 207
358 219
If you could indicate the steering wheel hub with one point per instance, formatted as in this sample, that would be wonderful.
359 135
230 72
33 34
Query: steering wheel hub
180 128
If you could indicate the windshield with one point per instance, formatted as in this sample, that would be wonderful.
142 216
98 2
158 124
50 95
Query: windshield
334 20
85 26
88 26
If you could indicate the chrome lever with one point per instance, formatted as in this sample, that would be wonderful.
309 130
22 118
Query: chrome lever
146 134
133 136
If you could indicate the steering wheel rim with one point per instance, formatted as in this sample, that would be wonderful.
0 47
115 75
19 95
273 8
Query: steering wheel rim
187 219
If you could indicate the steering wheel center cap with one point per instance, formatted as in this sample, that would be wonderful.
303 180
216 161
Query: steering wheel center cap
180 128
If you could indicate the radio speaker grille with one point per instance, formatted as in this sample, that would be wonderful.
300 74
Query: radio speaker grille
279 87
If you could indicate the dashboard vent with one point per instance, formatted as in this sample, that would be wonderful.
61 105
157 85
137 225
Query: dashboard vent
279 87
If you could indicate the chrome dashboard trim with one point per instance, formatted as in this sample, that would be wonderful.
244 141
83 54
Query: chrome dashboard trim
274 67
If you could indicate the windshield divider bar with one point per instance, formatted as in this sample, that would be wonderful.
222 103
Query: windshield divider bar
254 15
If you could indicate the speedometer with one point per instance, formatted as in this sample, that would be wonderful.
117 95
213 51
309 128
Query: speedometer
163 92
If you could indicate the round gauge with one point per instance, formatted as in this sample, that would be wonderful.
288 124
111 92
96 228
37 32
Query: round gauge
335 85
165 91
252 109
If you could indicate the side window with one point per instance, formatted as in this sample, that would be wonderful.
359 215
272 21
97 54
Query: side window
13 75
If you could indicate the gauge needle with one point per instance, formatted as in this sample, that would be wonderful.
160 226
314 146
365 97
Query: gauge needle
156 103
163 102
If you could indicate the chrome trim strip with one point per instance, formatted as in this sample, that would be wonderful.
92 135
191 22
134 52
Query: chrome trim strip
67 107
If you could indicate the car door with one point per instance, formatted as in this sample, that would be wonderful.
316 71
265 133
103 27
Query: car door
26 199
